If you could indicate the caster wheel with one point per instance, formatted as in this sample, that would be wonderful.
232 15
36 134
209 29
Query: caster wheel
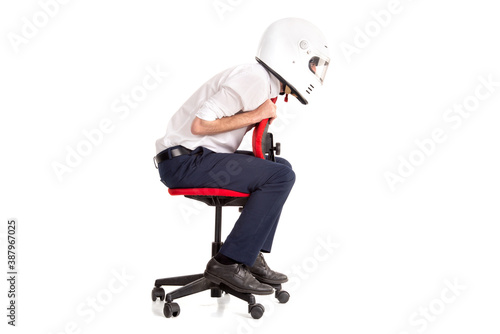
282 296
256 311
171 310
158 293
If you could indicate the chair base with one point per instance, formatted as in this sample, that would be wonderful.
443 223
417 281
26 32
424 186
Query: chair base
191 284
196 283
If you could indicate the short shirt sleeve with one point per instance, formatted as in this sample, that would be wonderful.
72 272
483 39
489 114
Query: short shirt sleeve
241 92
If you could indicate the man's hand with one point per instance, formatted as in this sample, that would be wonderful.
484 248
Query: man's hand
267 110
242 120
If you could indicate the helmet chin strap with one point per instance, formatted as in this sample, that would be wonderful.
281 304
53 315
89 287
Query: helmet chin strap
287 91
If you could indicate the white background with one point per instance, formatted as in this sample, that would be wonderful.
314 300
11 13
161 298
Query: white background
111 214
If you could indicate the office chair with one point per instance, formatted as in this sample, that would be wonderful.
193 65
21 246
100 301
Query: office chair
263 147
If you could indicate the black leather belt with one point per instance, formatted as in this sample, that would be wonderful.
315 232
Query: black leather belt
172 152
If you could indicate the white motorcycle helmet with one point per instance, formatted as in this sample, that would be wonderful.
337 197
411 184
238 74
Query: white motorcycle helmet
296 52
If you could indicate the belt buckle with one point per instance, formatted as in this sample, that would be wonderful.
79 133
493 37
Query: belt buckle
175 152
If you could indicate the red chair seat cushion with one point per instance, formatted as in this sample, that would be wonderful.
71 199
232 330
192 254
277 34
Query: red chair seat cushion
207 192
213 196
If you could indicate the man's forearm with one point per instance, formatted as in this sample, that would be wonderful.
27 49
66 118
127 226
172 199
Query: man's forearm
202 127
242 120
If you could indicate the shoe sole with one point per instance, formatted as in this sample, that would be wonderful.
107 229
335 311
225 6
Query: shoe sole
218 280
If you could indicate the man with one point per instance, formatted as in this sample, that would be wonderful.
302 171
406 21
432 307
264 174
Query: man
203 135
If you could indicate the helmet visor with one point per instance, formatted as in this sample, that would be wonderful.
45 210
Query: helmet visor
318 66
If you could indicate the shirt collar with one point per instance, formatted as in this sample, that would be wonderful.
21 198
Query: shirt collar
275 85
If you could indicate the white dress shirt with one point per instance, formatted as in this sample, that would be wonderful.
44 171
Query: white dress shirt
238 89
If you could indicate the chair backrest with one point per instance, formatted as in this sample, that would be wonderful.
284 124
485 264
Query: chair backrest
260 146
259 139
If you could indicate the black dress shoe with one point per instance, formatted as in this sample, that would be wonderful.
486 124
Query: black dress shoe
237 277
264 274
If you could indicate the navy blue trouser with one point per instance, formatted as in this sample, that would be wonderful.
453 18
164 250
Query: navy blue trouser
268 183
